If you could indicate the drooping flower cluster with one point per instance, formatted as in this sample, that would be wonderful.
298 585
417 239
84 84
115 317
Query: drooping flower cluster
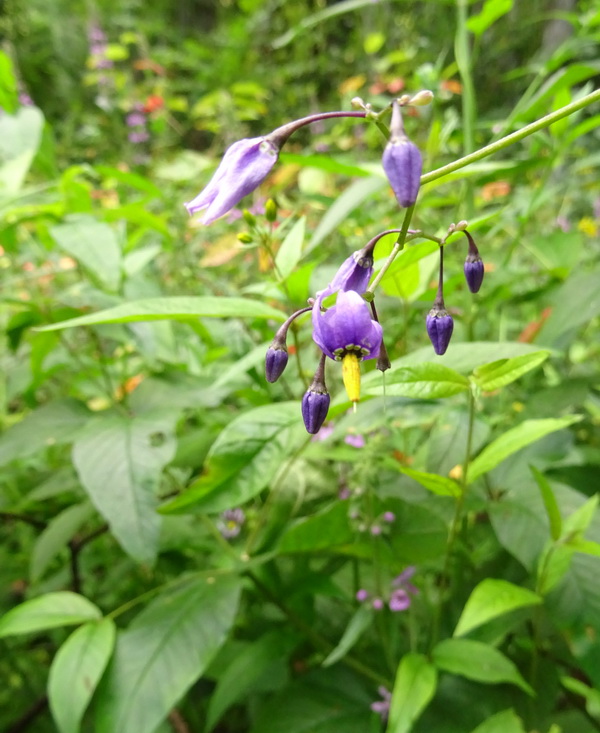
347 330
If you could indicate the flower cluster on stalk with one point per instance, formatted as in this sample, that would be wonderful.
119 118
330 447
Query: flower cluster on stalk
348 330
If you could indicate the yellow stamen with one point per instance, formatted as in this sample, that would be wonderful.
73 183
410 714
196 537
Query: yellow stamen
351 375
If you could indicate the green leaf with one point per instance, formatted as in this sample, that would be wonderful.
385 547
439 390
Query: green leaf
163 652
254 669
94 245
244 458
361 621
577 301
550 504
577 523
504 371
290 251
76 671
56 423
506 721
349 200
323 163
20 138
177 308
492 10
440 485
492 598
119 461
328 528
477 661
414 688
47 612
513 440
56 537
425 381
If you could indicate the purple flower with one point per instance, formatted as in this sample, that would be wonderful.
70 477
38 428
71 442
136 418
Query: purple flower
323 434
439 325
230 523
353 274
402 162
382 707
346 333
356 441
400 599
377 604
244 167
344 493
362 595
375 530
140 136
389 517
135 119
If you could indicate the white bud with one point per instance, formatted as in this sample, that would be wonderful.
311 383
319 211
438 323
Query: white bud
422 99
461 226
357 103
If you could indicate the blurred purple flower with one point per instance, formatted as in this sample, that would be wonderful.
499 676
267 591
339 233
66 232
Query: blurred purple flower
135 119
230 523
377 604
344 493
140 136
563 223
244 167
356 441
382 707
375 530
25 100
362 595
389 517
323 433
400 599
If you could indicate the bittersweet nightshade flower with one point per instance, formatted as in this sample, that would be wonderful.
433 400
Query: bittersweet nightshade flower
230 523
346 333
315 403
400 599
276 358
244 167
439 322
474 269
402 161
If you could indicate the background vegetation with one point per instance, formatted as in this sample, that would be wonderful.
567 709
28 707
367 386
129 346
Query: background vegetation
160 496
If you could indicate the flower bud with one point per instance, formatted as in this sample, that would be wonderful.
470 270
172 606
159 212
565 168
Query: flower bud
249 218
275 362
439 328
422 98
271 210
402 162
315 403
245 238
474 269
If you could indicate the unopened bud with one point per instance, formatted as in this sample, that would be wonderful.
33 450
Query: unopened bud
245 238
271 210
439 328
474 268
422 99
249 218
402 162
315 403
357 103
461 226
275 362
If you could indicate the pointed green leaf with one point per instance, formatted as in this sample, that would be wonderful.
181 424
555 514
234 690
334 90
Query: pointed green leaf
76 671
20 137
178 308
327 528
550 504
163 652
361 621
423 381
506 721
414 688
504 371
490 599
577 523
477 661
513 440
492 10
440 485
290 251
48 612
119 462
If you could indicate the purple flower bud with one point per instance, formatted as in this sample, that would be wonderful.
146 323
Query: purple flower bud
474 269
362 595
439 328
315 403
377 604
389 517
275 363
402 162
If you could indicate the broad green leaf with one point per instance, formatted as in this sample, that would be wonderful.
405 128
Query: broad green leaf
492 598
244 458
504 371
440 485
352 197
62 608
290 251
550 504
424 534
119 462
163 652
176 308
575 602
56 423
20 138
56 537
554 563
577 301
425 381
254 669
94 245
477 661
414 688
587 547
506 721
513 440
325 529
492 10
76 671
323 163
361 621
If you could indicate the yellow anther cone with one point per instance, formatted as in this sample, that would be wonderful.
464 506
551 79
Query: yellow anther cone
351 376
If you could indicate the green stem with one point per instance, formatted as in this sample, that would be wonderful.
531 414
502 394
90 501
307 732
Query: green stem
397 248
462 52
514 137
